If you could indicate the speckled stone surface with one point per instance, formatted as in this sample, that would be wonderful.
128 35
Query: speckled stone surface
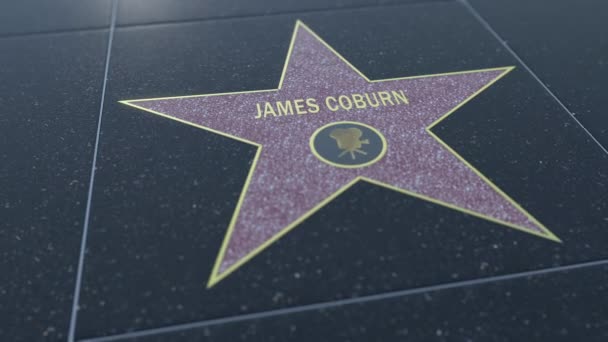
48 115
563 46
550 307
164 192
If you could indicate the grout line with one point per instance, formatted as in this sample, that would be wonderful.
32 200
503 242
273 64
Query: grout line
282 13
350 301
87 214
216 18
52 32
487 26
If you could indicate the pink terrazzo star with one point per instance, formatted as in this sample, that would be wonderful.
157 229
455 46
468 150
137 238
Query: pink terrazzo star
287 182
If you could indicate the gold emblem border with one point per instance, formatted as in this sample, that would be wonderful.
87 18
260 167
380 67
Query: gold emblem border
347 166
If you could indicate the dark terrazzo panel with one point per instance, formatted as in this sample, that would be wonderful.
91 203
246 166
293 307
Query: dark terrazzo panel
563 306
165 191
153 11
50 90
566 45
31 16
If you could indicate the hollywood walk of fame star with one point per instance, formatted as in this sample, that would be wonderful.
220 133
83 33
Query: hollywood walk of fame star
287 182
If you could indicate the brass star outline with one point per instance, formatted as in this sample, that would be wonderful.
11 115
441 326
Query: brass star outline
216 277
